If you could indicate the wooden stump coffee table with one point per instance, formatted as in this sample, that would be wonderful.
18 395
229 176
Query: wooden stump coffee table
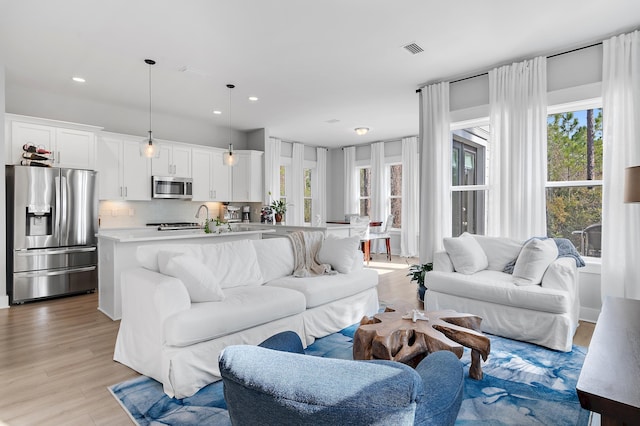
388 336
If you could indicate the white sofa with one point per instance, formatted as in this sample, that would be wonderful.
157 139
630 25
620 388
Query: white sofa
543 312
167 336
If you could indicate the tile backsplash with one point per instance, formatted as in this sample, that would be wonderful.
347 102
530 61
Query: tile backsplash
133 214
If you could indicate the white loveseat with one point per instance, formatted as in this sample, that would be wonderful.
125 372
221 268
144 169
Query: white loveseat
166 335
543 310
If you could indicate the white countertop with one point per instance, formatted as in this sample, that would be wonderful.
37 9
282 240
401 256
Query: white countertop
323 227
124 235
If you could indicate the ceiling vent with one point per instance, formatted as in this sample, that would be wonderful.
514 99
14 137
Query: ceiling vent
413 48
332 121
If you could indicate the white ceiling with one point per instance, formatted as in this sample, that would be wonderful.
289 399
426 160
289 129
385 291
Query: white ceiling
309 62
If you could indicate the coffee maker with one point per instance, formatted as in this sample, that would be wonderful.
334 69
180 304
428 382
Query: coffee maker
246 214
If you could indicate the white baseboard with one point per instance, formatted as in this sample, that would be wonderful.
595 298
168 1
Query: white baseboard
589 314
4 301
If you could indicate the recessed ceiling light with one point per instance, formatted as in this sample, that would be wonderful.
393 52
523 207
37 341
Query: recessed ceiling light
216 112
79 79
361 130
253 98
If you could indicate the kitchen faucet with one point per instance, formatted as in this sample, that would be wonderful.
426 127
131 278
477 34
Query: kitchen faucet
198 212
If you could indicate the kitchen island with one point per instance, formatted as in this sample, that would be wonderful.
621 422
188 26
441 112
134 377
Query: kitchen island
117 252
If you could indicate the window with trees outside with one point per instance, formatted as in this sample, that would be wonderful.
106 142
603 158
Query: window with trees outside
364 196
307 196
395 194
283 183
574 178
468 180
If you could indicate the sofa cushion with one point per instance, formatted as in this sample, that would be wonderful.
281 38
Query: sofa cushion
533 260
201 284
498 287
242 308
275 257
234 263
499 251
466 254
339 252
322 289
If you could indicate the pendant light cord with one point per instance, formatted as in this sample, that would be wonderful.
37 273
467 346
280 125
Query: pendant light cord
150 62
230 86
150 101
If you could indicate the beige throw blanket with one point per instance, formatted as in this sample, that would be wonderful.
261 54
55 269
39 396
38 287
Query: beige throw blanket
306 246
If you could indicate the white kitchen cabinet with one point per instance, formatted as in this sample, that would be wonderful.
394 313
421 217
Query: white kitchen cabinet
247 177
124 174
211 178
174 160
72 147
75 149
220 178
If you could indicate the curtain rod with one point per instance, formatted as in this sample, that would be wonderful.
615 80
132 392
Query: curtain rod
305 144
383 141
548 56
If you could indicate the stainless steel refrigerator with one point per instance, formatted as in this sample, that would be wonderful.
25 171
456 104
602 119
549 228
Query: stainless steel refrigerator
52 220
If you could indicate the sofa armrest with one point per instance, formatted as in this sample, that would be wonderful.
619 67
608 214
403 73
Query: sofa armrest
442 262
148 298
562 274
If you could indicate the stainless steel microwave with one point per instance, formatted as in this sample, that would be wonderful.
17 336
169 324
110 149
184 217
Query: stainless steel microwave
171 187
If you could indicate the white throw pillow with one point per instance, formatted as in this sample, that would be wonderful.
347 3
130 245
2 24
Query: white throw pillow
201 284
500 251
466 254
533 260
339 253
147 256
234 263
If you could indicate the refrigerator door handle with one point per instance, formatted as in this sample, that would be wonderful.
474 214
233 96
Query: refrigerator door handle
56 218
64 201
53 273
40 252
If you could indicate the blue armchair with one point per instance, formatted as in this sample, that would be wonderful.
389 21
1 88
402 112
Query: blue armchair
271 387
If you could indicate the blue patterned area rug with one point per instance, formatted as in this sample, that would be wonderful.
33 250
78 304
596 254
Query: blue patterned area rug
523 384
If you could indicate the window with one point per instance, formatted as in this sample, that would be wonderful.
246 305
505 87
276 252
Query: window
467 180
574 178
364 174
283 183
395 194
307 195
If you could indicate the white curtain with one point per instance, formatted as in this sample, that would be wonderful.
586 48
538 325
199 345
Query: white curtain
621 139
295 210
351 205
435 169
378 188
319 191
410 200
518 150
272 152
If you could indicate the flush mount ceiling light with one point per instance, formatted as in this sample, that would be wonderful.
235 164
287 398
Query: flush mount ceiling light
216 112
253 98
147 148
78 79
228 158
360 131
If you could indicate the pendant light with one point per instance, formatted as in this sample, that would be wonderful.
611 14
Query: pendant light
147 149
228 158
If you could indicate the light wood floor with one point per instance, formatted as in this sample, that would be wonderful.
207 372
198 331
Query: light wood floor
56 356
